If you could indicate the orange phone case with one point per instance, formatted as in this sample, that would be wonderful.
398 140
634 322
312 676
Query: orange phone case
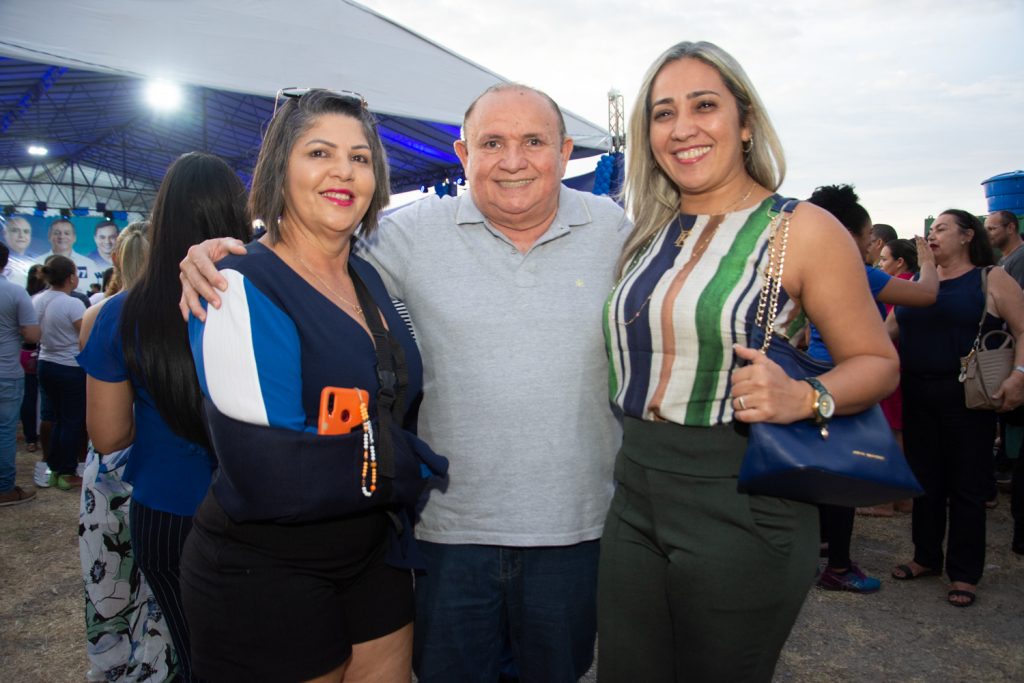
339 410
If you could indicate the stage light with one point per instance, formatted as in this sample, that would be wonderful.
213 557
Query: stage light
9 210
163 95
37 150
101 207
65 213
40 206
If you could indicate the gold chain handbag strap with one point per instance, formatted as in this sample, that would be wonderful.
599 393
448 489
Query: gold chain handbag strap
768 301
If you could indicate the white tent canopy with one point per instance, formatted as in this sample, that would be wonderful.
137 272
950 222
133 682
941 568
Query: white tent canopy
257 47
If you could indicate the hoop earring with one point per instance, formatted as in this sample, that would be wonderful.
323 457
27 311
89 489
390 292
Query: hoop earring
748 145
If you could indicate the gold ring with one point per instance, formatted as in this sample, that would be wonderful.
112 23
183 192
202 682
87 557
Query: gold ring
743 405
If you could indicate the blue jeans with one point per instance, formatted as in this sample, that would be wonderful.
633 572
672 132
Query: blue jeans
64 402
11 391
475 600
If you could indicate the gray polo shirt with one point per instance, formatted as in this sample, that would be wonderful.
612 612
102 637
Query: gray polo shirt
1014 264
515 371
16 311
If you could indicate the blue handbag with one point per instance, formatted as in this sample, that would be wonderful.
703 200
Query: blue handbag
856 462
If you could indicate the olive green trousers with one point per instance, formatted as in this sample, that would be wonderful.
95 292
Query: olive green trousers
697 582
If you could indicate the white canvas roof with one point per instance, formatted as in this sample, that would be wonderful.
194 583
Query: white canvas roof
257 47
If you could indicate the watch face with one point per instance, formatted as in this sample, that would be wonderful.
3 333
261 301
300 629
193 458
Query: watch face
826 406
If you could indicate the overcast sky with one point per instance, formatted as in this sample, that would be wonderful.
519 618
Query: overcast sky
913 101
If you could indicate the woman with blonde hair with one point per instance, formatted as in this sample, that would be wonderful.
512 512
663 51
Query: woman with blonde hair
697 579
124 629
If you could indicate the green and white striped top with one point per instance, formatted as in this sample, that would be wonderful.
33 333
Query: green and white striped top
672 319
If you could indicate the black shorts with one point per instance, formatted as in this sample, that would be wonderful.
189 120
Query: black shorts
272 602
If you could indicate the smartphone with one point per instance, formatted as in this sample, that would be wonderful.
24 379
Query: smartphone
339 410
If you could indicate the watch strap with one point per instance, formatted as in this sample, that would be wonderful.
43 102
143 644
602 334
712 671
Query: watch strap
819 391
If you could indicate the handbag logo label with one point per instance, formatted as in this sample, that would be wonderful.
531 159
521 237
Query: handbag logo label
865 454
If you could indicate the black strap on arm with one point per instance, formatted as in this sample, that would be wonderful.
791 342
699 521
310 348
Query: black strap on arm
392 375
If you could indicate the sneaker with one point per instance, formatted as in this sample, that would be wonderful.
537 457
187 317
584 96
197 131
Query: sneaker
16 496
41 475
65 482
853 580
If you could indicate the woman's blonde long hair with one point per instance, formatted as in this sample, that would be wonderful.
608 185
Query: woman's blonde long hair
130 252
649 193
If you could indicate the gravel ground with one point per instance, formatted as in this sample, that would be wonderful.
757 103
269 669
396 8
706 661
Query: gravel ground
906 632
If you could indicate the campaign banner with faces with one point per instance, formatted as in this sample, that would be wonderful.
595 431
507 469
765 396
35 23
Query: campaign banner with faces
88 241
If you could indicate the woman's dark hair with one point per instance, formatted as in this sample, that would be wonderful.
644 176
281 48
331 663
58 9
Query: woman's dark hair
200 198
107 274
980 248
34 283
906 250
842 202
294 117
58 270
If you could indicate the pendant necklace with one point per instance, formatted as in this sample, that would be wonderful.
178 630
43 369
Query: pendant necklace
685 234
358 309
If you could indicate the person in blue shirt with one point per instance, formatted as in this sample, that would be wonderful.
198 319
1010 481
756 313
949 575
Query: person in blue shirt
142 388
841 573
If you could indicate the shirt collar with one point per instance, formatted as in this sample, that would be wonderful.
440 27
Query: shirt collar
572 212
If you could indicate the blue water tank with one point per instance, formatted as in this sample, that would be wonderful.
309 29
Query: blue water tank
1005 192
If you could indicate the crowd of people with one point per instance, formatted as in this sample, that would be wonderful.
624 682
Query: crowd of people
62 237
589 442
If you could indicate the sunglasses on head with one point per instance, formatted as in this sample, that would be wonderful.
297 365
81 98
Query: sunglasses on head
353 98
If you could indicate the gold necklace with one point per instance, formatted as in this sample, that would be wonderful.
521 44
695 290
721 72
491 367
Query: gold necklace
681 240
698 251
358 309
684 235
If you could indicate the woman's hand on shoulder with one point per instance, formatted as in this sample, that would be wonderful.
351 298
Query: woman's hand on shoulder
763 392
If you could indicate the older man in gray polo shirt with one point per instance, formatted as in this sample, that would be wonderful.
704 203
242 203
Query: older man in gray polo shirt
505 286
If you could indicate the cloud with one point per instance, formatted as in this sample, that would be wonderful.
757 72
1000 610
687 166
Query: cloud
915 101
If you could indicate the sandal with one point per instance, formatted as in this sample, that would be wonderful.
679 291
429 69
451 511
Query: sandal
907 574
970 597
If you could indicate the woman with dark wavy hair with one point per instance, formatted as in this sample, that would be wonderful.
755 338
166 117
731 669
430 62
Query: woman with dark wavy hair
142 384
948 445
